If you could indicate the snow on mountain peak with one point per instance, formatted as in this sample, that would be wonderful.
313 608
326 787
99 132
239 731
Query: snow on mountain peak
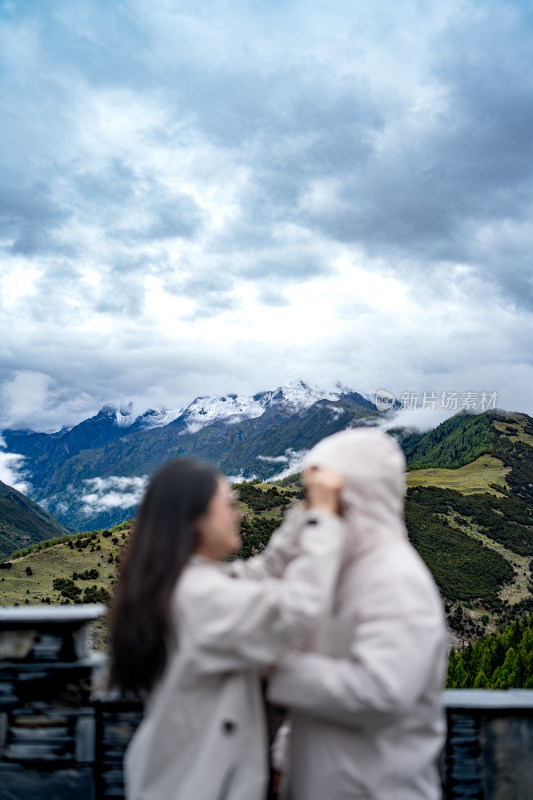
117 415
124 416
157 417
204 411
299 395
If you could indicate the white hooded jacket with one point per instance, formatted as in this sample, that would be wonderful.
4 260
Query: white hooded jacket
203 734
365 694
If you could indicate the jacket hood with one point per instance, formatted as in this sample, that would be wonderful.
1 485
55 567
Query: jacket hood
373 467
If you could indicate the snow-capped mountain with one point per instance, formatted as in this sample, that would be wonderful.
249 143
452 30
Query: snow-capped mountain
123 416
156 418
231 408
205 411
297 396
202 411
93 473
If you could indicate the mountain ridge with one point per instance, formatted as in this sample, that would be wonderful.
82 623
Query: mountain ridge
23 521
244 437
92 475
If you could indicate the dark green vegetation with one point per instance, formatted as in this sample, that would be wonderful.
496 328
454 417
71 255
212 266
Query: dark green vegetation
255 534
262 500
68 589
506 520
263 508
475 543
22 520
74 540
463 568
454 443
500 661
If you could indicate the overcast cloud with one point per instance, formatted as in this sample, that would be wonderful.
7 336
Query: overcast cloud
227 196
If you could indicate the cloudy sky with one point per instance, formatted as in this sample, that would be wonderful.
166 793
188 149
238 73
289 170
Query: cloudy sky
200 198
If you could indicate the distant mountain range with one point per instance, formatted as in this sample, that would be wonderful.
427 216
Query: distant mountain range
92 475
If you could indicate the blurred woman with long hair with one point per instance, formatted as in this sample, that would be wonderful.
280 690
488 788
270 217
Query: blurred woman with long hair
192 636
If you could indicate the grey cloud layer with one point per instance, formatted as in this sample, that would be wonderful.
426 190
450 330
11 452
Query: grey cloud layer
412 176
233 153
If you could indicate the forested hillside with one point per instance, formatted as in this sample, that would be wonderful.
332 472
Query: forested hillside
503 660
473 525
23 522
455 442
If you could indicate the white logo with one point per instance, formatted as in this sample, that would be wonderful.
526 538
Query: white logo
384 400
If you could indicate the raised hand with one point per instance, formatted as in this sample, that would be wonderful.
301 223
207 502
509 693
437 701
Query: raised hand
323 489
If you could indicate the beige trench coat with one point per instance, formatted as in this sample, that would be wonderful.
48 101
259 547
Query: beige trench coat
203 735
365 692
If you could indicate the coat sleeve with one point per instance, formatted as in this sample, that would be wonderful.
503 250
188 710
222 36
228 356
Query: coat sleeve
281 549
233 623
391 661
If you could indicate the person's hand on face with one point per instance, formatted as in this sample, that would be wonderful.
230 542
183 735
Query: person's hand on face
323 489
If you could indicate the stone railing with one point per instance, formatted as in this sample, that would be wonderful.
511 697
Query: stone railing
60 739
47 717
489 747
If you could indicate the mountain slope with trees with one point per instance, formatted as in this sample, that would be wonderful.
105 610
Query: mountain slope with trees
477 543
455 442
23 522
503 660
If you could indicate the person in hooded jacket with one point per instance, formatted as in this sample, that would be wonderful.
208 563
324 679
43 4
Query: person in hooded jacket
193 641
365 690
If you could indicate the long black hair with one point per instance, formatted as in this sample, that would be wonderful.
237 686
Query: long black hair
162 541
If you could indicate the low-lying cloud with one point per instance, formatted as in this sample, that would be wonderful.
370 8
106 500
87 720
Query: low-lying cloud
273 459
103 494
294 460
13 471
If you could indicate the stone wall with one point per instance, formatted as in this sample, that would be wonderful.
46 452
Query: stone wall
60 740
489 747
47 717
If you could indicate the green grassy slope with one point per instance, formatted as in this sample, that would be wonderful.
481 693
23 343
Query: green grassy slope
474 524
83 567
484 474
30 578
262 507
